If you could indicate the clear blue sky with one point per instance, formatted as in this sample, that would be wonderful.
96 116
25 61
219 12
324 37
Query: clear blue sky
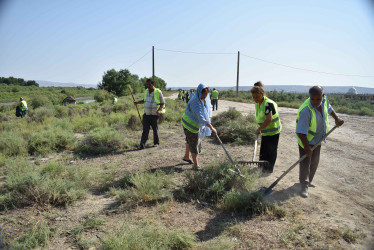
77 41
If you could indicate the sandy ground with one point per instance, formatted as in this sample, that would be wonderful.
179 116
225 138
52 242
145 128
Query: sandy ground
342 199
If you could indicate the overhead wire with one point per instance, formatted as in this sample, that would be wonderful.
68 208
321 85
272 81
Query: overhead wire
266 61
139 59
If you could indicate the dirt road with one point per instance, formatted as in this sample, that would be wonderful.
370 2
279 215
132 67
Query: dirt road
345 177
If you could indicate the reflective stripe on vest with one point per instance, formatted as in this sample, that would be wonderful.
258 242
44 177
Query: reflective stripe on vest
156 96
275 126
313 121
189 124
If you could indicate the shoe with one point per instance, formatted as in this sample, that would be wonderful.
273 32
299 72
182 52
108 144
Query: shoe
189 161
140 147
197 168
311 184
304 191
156 145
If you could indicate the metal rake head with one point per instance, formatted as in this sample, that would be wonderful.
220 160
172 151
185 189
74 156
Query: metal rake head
260 164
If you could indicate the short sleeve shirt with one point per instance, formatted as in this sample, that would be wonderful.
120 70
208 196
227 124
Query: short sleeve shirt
269 107
150 106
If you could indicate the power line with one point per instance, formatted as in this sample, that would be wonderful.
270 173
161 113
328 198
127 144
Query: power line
193 52
139 59
310 70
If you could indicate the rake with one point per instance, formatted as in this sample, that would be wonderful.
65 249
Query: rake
261 164
237 172
269 190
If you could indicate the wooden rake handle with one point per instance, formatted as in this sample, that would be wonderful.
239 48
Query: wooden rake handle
135 104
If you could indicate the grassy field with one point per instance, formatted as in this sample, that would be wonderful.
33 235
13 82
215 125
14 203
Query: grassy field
70 176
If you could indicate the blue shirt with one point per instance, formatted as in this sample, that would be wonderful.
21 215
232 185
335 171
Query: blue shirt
304 121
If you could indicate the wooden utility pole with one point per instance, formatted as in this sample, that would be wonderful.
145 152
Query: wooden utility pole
237 76
153 63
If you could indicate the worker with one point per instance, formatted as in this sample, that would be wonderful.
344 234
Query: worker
196 124
215 98
267 117
312 124
23 106
154 106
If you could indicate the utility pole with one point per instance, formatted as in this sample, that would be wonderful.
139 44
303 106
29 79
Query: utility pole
153 63
237 76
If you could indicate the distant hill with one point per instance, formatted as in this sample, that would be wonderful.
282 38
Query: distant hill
298 89
43 83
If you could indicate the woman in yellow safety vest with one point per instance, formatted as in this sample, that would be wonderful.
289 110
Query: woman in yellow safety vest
267 118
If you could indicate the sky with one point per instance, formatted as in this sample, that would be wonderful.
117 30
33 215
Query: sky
78 41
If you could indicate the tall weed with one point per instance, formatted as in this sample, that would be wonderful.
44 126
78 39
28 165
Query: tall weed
12 144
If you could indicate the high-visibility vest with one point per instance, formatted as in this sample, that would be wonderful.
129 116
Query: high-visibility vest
275 126
156 95
189 124
23 105
215 95
313 121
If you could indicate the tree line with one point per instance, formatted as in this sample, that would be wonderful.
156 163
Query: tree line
17 81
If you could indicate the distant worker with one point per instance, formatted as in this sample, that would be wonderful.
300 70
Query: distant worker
183 95
312 124
267 117
115 100
196 124
154 106
187 96
180 95
23 106
215 98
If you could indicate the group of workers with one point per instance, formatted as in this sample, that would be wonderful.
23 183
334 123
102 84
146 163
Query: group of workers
312 124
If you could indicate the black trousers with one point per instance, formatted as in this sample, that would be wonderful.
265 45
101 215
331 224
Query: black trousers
268 150
148 122
215 102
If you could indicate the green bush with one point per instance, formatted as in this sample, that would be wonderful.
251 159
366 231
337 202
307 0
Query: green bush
36 236
102 95
40 114
215 181
232 126
12 144
100 141
134 123
150 186
61 111
48 141
39 100
149 236
55 184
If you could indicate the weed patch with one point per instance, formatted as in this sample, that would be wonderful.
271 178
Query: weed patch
36 236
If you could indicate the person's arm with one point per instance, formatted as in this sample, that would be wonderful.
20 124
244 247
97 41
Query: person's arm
139 102
304 140
212 128
266 123
338 121
162 103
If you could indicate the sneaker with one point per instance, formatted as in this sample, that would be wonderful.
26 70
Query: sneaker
156 145
311 184
140 147
304 191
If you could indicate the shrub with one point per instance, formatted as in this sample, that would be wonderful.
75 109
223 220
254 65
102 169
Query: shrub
40 114
37 101
102 95
12 144
134 123
232 126
149 236
215 181
47 141
55 184
100 141
36 236
150 186
61 111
